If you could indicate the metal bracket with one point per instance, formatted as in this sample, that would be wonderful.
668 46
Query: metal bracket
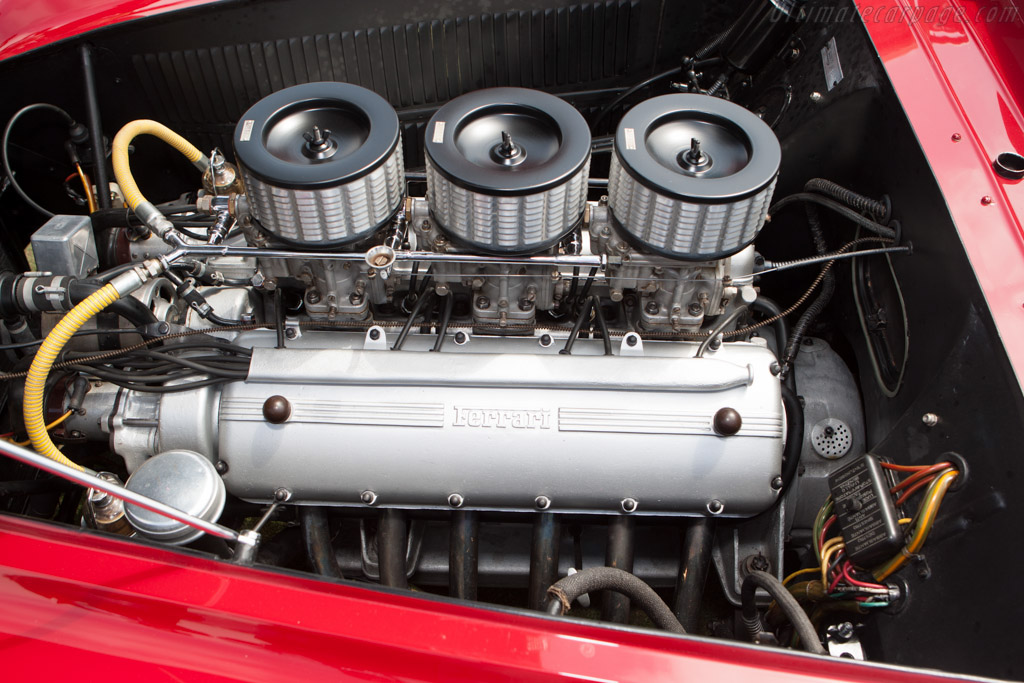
376 339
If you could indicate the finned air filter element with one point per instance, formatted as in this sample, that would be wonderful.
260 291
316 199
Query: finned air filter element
322 163
507 169
692 176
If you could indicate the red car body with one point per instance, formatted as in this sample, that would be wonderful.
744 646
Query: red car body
116 610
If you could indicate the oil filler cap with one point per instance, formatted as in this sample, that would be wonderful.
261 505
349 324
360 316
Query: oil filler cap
184 480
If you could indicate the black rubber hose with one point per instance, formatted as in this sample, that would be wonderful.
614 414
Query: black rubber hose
769 308
575 332
129 308
392 539
446 317
316 534
420 301
852 199
786 602
828 288
602 325
222 322
631 91
833 205
40 106
794 439
565 592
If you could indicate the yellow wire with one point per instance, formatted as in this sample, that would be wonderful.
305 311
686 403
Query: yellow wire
831 546
89 197
925 518
800 572
49 427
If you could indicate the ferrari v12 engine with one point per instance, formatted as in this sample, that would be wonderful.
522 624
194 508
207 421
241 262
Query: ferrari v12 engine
513 413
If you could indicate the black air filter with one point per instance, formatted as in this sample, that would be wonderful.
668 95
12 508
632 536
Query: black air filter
322 163
507 169
692 176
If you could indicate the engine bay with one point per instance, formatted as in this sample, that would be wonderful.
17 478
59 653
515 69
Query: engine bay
638 352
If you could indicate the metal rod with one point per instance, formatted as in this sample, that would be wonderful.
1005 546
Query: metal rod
90 480
464 554
99 156
719 328
619 554
547 532
693 572
811 260
416 256
392 541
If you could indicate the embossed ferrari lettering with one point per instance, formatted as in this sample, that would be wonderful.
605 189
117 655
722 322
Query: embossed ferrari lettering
501 418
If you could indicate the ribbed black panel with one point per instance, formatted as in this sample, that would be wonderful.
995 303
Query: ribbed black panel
411 65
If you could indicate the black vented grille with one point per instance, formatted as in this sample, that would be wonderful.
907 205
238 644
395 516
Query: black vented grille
203 92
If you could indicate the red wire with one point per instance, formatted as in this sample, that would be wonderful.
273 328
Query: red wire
917 476
914 489
903 468
846 573
7 435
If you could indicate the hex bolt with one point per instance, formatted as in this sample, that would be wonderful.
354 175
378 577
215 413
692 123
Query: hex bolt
777 483
695 309
291 333
844 632
483 302
629 505
756 563
461 337
930 419
775 368
368 497
455 500
542 502
715 507
313 296
221 466
631 340
355 298
652 308
374 334
716 343
545 340
525 304
282 495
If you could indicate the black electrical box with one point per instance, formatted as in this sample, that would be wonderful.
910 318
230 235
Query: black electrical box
865 512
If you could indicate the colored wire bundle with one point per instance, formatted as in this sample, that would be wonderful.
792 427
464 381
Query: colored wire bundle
839 577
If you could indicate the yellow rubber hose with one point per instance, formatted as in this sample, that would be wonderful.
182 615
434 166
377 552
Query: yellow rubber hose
129 132
35 382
